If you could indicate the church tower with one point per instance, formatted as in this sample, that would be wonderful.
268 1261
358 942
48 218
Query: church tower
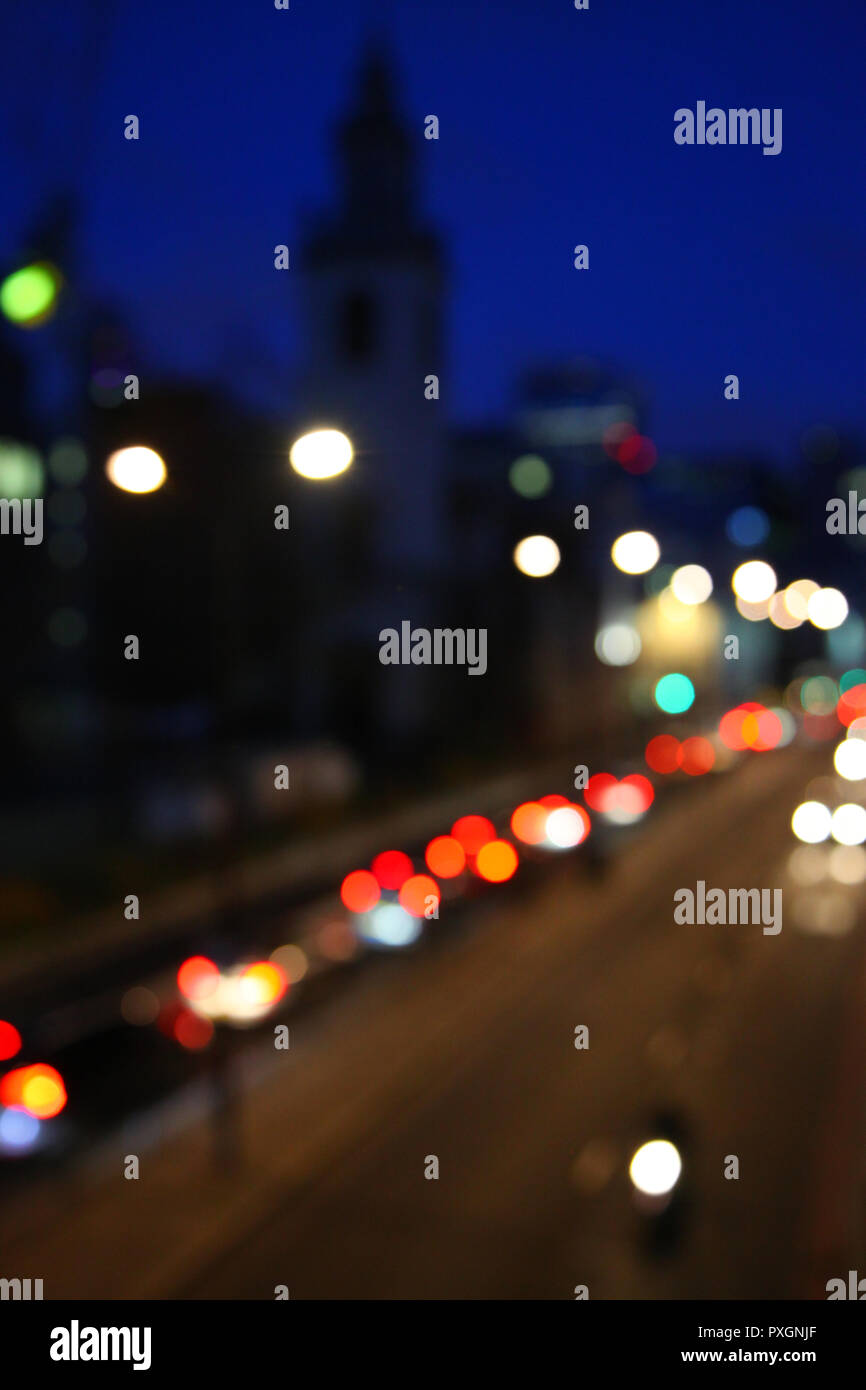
372 281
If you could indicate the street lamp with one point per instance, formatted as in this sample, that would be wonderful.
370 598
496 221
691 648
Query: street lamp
136 469
321 454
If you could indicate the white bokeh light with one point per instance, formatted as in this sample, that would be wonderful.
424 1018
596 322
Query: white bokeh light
655 1167
811 822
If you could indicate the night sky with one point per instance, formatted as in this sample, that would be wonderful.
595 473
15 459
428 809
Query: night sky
556 128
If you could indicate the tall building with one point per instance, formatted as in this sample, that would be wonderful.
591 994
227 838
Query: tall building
372 317
372 285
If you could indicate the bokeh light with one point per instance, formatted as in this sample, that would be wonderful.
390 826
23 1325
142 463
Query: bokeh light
754 582
618 644
811 822
655 1167
38 1089
536 556
497 860
197 978
10 1038
360 891
415 893
662 753
530 476
674 693
136 469
389 925
849 759
529 822
391 869
692 584
635 552
192 1031
827 608
697 756
321 454
797 596
851 705
263 983
747 526
445 857
21 471
28 297
848 824
847 864
568 826
472 832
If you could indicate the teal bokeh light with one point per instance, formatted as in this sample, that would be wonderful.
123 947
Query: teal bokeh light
674 693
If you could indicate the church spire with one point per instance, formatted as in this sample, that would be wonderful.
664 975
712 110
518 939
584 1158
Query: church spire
375 152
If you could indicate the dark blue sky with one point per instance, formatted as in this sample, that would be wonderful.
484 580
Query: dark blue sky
556 128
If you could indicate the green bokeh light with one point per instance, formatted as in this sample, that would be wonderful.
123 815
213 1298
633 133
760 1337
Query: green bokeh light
530 476
855 677
21 471
28 296
674 693
67 462
818 695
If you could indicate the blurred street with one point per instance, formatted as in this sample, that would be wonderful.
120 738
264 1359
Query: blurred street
471 1059
432 525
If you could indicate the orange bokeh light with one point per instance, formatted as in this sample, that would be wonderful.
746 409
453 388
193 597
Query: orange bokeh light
197 977
38 1089
528 822
445 857
264 982
496 861
473 832
751 726
360 891
415 892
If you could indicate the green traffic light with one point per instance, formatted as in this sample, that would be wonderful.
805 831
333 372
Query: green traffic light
28 296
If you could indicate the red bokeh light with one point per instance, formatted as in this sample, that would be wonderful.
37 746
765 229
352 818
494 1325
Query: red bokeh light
473 832
597 792
697 756
191 1031
750 726
197 977
360 891
10 1040
663 753
391 869
637 454
852 705
635 794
